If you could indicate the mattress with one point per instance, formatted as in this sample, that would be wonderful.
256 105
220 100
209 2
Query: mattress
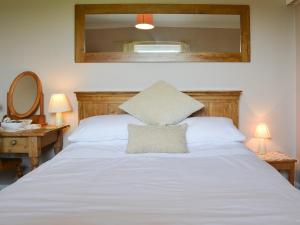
99 184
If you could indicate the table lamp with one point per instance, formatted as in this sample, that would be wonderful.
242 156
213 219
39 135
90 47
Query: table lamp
59 104
262 133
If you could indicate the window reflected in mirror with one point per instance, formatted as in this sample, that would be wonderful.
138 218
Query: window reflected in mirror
162 33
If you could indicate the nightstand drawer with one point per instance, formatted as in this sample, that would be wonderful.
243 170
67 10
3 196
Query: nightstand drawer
13 145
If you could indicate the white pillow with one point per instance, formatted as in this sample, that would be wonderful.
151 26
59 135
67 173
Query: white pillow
103 128
212 130
161 104
157 139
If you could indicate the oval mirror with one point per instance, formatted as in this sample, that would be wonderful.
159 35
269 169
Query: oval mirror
24 95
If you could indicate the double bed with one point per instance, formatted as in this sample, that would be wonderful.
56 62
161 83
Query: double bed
98 183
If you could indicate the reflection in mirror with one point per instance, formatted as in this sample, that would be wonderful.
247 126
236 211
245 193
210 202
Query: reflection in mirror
25 94
162 33
167 33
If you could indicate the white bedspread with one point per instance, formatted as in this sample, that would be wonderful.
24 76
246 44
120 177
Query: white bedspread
99 184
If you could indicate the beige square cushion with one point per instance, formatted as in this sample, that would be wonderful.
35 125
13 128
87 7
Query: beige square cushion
157 139
161 104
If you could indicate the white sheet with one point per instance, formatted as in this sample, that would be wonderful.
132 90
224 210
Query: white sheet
100 184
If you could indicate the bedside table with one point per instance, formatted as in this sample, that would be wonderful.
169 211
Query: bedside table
281 162
32 142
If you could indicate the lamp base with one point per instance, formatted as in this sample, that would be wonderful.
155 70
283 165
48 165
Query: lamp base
58 119
262 150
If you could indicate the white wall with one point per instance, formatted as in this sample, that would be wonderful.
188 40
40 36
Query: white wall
297 25
39 36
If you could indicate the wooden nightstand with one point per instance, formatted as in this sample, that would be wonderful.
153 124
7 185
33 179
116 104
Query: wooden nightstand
32 142
281 162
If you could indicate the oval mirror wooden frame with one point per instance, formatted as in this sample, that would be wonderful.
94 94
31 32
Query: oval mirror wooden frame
11 111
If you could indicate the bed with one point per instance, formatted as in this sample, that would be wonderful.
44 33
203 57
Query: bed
92 183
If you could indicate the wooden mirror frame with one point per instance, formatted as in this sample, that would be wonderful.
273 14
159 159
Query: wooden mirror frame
38 102
83 9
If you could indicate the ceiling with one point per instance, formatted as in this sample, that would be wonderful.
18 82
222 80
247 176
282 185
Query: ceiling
105 21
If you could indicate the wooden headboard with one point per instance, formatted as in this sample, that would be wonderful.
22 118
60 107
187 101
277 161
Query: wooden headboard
217 103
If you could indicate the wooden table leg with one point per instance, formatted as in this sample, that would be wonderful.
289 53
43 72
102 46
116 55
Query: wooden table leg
19 171
291 174
34 162
34 152
58 145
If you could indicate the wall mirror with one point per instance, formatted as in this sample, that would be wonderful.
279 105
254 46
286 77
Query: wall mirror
25 98
162 33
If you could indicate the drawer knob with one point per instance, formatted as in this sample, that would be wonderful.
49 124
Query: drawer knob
13 142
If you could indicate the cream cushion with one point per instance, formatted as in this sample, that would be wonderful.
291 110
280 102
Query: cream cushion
161 104
157 139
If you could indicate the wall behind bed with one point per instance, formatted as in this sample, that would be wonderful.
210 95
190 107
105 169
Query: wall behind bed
39 36
297 25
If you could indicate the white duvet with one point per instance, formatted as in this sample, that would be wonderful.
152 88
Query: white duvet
99 184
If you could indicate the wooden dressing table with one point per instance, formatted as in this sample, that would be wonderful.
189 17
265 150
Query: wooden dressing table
32 142
25 100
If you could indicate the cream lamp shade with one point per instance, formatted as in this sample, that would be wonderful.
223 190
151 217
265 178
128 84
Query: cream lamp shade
262 132
59 104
